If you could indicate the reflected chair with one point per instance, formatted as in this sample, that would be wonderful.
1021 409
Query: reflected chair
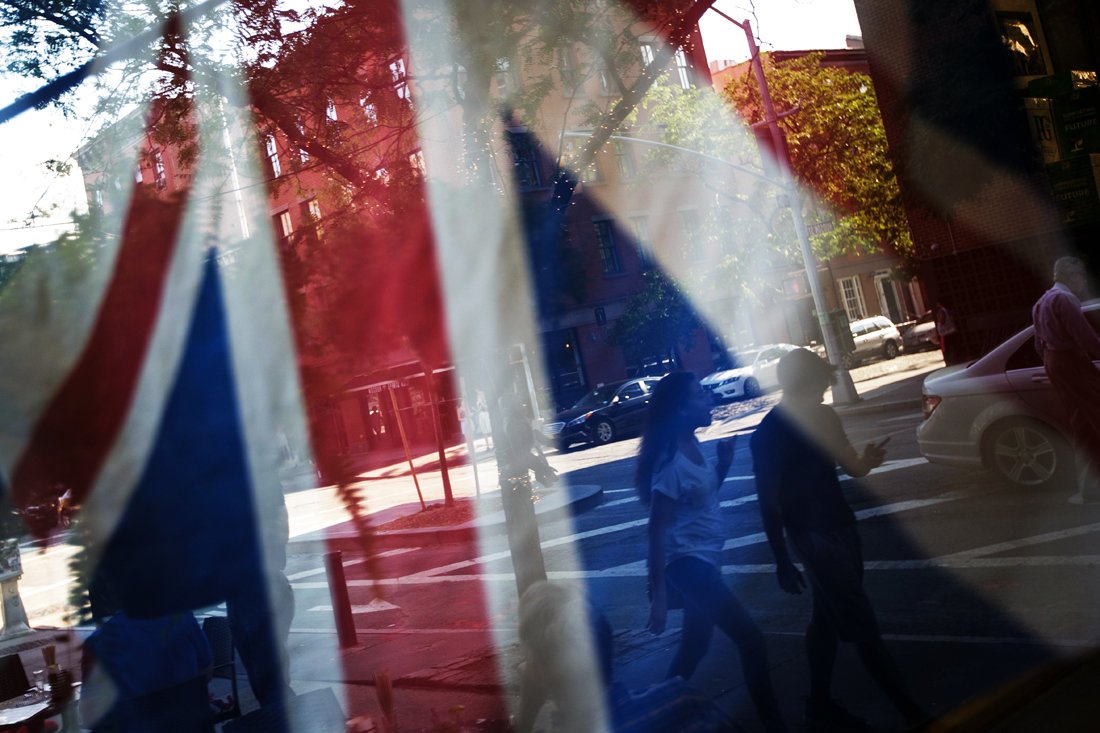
13 678
220 638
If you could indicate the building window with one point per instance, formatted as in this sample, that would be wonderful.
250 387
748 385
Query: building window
606 85
370 110
160 176
693 244
649 52
624 160
416 161
311 211
683 69
311 214
567 69
303 156
381 173
852 292
137 174
97 197
505 81
330 110
609 253
640 227
400 78
591 172
273 157
525 160
283 228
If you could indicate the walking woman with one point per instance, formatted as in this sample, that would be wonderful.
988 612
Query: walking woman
686 533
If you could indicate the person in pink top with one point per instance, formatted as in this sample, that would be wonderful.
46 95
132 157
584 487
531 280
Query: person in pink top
1069 345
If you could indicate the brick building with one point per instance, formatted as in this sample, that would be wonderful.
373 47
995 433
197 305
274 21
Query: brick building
955 82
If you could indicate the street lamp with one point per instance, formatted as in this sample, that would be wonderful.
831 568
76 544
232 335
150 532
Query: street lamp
844 390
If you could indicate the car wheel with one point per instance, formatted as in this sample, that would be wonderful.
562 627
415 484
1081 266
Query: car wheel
752 388
603 432
890 349
848 361
1027 453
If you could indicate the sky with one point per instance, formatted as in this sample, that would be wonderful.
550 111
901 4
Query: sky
34 137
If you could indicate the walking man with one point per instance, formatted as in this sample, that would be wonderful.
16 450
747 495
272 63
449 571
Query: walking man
1069 344
795 452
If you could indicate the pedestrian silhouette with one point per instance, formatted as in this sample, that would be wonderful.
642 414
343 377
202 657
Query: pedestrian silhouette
1069 344
948 332
568 659
795 453
686 533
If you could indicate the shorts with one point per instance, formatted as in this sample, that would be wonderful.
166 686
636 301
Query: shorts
833 560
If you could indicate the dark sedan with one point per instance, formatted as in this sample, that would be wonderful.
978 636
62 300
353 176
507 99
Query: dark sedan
602 415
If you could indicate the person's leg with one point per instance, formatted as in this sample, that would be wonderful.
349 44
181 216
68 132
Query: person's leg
698 625
710 592
821 646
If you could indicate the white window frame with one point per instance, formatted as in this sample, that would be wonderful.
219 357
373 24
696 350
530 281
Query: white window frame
330 110
683 69
611 262
273 156
639 227
160 174
851 291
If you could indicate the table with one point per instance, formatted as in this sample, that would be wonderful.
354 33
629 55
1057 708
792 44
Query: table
28 709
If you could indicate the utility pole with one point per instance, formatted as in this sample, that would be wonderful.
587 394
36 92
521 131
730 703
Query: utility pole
844 390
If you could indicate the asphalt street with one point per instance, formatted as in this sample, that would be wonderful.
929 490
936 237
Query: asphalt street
973 581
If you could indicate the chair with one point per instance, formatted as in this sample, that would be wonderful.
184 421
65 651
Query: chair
220 638
13 678
319 708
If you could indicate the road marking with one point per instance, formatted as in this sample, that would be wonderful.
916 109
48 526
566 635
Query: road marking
911 638
638 570
730 544
374 606
349 563
1027 541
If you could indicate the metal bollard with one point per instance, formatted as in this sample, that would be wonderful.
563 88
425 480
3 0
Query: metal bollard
341 602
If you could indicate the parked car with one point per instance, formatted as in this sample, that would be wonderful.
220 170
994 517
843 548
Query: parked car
922 334
875 336
753 372
604 414
1000 413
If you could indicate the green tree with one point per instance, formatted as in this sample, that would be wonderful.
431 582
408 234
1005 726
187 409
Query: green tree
838 149
658 321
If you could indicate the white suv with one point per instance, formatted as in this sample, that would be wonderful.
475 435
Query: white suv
874 336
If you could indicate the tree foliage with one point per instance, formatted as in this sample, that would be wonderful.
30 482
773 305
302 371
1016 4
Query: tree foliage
658 321
838 149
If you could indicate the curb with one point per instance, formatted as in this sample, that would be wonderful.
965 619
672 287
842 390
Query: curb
430 536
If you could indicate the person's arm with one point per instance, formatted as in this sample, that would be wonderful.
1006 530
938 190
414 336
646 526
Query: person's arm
725 450
660 517
1073 320
851 461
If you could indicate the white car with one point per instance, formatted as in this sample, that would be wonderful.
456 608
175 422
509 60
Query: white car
874 336
1000 413
753 372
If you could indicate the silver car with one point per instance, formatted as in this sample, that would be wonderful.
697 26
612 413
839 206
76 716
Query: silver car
874 336
1000 413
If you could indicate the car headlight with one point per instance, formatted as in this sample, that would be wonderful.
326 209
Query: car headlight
732 380
578 420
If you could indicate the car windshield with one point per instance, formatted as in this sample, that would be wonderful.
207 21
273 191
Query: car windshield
598 397
743 358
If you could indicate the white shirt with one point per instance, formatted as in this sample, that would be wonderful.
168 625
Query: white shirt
697 528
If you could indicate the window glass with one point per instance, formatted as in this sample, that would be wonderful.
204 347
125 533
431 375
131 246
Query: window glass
630 391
